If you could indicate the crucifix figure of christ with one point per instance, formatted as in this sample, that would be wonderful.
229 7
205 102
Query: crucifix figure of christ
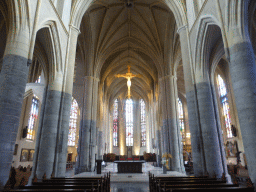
128 76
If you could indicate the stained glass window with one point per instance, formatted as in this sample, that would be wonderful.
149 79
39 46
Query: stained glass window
181 119
143 123
129 122
115 124
73 123
32 118
225 105
38 80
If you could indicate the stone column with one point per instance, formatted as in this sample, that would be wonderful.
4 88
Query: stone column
243 74
66 101
49 128
165 131
162 141
136 127
159 152
171 121
110 133
209 130
84 137
100 144
87 137
195 129
179 137
13 79
93 122
122 125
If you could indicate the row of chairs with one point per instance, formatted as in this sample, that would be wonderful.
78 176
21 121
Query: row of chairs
85 184
195 184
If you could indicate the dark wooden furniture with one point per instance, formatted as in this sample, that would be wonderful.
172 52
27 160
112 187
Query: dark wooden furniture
175 184
129 166
88 184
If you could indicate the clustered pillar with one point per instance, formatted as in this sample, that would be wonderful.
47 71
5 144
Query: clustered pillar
209 130
170 133
49 129
206 149
13 79
66 102
243 75
87 137
51 145
194 124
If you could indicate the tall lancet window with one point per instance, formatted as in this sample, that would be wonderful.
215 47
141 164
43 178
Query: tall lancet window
129 122
115 124
143 123
73 123
32 118
181 119
225 105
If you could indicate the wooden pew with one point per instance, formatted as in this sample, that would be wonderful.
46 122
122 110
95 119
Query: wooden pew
213 189
88 184
172 184
58 190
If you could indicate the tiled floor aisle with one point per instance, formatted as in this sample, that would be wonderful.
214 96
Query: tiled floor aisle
129 187
127 182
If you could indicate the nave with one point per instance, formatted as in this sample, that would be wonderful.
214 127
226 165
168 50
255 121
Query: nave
151 179
127 79
130 182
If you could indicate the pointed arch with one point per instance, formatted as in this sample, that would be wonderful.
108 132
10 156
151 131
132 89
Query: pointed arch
50 41
80 7
206 26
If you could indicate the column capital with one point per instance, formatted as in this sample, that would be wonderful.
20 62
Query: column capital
167 77
91 77
75 29
181 28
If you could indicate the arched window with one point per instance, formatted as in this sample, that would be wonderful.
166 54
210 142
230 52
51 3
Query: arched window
73 123
38 80
115 124
129 122
143 123
181 119
225 104
32 118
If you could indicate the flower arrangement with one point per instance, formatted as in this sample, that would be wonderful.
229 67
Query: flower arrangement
167 155
110 157
165 161
149 156
146 156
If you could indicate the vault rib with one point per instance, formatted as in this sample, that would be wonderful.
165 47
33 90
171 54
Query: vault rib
97 9
108 29
152 43
156 40
98 39
157 32
112 35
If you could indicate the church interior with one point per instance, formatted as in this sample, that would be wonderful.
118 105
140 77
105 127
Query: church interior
167 82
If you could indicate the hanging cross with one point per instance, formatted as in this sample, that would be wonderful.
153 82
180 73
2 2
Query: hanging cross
128 76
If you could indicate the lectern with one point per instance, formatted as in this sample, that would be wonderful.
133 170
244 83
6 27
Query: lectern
98 166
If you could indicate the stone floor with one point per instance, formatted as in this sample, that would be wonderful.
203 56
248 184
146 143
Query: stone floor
120 182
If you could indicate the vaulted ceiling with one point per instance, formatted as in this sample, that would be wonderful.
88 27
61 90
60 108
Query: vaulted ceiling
118 33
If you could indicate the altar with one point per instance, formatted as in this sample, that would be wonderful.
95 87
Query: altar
129 166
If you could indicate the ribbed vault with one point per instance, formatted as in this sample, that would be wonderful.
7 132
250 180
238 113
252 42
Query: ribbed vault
118 33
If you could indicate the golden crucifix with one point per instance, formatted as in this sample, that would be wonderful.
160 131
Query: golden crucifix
128 76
